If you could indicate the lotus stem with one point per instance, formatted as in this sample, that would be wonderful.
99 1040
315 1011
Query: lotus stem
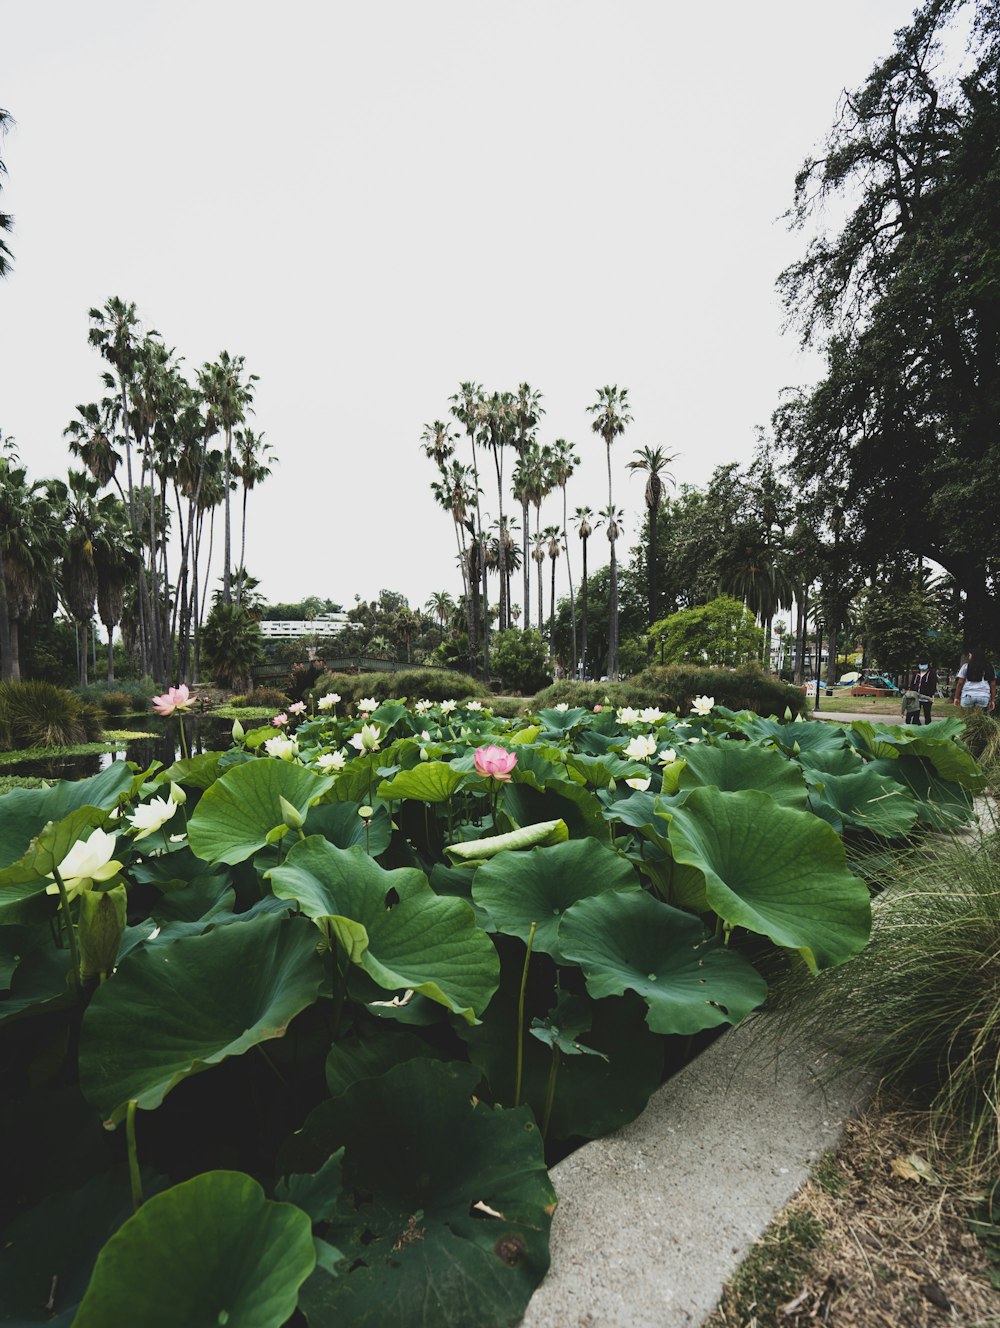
550 1091
183 735
339 984
135 1180
74 954
520 1017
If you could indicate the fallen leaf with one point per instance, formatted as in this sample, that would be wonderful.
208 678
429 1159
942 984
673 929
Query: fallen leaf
915 1167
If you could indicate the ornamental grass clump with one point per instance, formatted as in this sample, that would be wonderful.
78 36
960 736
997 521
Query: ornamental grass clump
920 1005
39 714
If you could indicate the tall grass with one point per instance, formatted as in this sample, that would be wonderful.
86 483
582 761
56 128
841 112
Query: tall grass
920 1006
39 714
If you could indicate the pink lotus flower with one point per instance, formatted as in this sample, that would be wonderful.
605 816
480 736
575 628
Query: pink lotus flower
494 762
174 698
598 709
297 708
279 721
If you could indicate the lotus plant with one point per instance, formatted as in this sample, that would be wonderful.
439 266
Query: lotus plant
702 705
175 700
150 816
328 701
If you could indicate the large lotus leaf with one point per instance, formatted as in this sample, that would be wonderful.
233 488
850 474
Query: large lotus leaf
430 781
198 772
866 800
49 1252
30 875
393 924
41 982
732 766
213 1250
775 871
341 824
358 781
830 761
941 804
561 721
24 812
316 1194
236 815
593 1096
172 1010
518 889
934 742
795 738
528 836
353 1058
419 1153
563 798
629 941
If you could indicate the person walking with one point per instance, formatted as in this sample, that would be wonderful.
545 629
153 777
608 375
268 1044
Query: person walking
925 684
976 684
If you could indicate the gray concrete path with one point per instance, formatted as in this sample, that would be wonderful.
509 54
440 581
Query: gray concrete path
653 1219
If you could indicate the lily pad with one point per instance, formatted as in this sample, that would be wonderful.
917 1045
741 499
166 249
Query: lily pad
392 924
173 1010
419 1156
518 889
237 814
213 1250
629 941
773 870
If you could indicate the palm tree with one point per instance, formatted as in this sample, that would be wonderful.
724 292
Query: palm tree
79 570
253 455
31 538
527 409
611 416
454 492
466 408
438 443
653 461
538 546
564 463
497 415
584 529
554 536
440 606
6 220
117 559
91 440
611 518
229 396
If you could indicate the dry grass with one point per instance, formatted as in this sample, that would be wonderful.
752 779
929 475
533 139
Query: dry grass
895 1250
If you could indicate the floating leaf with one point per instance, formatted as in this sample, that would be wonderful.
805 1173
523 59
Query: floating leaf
238 813
211 1251
630 941
530 836
173 1010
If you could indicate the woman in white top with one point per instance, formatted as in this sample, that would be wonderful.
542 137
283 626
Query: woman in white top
976 684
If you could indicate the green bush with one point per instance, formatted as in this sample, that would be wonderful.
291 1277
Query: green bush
723 632
262 696
125 696
39 714
520 660
434 684
231 643
674 687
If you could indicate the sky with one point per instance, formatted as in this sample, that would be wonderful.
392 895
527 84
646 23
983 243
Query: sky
373 202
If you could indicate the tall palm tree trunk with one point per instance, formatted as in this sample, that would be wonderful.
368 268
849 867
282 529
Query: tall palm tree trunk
583 611
227 597
569 575
525 564
5 646
613 600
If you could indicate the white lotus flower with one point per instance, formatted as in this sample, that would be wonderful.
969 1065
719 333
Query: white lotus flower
641 747
285 749
368 739
448 706
148 817
562 707
651 715
702 705
368 704
626 715
638 783
331 761
694 740
668 756
89 860
423 706
328 702
474 705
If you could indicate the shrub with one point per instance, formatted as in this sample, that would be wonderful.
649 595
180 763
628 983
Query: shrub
674 687
39 714
982 737
262 696
920 1003
520 659
723 632
126 695
434 684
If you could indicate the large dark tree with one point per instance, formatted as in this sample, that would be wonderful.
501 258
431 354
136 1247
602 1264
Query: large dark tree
905 298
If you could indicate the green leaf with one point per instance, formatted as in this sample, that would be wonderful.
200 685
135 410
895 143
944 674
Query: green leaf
392 924
340 823
315 1194
630 941
418 1155
732 766
351 1058
30 875
773 870
530 836
209 1252
430 781
236 815
561 721
24 812
561 799
518 889
173 1010
198 772
866 800
936 743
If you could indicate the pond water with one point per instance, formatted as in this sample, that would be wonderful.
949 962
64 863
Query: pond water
160 743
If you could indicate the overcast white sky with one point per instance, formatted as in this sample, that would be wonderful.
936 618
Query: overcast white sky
372 202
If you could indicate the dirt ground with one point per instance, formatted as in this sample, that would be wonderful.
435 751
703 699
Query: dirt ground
878 1238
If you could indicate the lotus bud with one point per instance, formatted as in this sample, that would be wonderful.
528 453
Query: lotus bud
293 818
366 813
101 926
239 733
177 794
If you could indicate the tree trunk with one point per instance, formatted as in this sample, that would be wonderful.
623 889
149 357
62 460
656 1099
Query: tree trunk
243 550
569 575
84 644
613 618
583 611
526 620
15 650
552 613
651 568
111 655
227 597
5 655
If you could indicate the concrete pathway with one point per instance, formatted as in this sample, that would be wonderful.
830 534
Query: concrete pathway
653 1219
